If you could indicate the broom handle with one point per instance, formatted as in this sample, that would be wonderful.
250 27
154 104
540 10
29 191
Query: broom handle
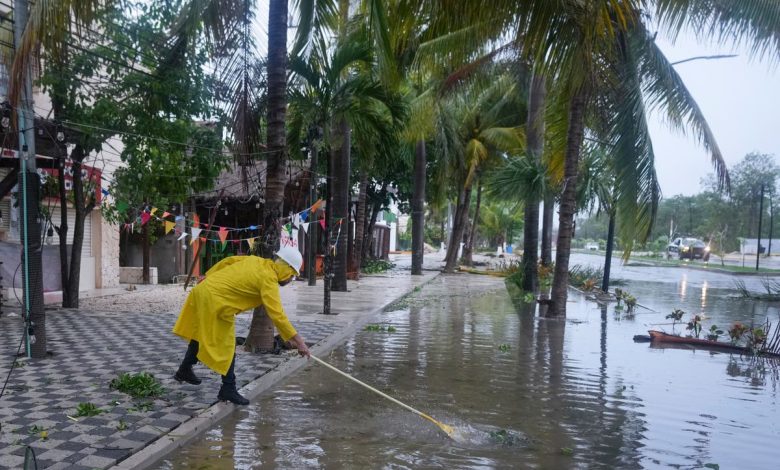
338 371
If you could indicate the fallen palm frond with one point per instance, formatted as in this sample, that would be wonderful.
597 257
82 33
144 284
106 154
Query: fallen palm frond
771 286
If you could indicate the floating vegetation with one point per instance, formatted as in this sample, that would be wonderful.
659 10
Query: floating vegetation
388 329
504 347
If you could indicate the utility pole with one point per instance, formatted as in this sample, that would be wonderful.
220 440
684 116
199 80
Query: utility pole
32 266
760 218
311 247
771 221
328 268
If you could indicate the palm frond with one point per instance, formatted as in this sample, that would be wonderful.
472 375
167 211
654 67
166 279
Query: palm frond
753 23
665 90
48 25
316 18
518 180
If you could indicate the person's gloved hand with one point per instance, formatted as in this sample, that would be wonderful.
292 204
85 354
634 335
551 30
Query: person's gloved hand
300 343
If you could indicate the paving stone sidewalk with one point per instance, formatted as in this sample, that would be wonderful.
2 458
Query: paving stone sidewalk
90 348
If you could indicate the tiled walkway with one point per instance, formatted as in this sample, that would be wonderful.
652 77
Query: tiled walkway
90 348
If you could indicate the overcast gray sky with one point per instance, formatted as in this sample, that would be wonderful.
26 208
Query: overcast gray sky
740 97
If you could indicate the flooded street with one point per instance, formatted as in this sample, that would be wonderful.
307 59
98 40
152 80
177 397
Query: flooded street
574 393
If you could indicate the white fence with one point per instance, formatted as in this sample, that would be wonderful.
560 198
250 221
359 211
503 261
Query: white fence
749 245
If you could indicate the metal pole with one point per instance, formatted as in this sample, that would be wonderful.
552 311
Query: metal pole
760 219
32 264
311 247
771 222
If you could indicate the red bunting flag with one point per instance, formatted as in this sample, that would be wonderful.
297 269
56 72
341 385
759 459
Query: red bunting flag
223 233
322 223
145 216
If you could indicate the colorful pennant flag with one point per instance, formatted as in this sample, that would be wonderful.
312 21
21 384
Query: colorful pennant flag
223 233
195 234
183 236
169 226
154 209
305 227
145 217
166 214
322 224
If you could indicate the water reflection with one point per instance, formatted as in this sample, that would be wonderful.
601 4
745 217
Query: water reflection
579 389
704 296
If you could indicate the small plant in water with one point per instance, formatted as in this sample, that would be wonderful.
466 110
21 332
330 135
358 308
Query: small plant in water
88 409
619 297
675 316
736 332
528 297
714 333
589 284
141 385
756 339
504 347
694 325
630 303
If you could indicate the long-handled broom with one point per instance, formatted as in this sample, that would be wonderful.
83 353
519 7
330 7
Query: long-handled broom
449 430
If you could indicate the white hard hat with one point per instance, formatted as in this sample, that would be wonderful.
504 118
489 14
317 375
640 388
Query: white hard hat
292 257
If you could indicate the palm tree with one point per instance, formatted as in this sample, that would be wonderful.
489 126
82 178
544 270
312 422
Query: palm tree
579 43
535 135
488 119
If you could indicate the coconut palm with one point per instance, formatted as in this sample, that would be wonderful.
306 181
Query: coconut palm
485 120
581 45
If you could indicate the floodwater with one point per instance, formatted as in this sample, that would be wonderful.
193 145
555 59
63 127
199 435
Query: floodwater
574 393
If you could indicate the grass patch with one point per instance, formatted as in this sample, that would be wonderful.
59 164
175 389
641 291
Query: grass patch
711 265
140 385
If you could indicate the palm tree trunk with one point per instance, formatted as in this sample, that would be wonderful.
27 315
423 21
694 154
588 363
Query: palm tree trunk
418 208
535 138
340 171
360 223
575 134
468 249
458 227
277 156
547 222
608 257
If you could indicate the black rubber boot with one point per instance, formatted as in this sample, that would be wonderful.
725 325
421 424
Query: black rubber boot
231 394
185 374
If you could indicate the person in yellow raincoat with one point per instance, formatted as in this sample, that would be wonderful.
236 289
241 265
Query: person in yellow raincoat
232 286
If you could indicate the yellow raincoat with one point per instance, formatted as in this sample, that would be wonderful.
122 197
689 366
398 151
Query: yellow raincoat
233 285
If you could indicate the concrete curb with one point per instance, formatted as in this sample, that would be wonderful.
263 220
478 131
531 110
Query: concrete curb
650 264
189 430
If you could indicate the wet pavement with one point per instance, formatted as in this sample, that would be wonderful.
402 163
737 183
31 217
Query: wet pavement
573 393
92 347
